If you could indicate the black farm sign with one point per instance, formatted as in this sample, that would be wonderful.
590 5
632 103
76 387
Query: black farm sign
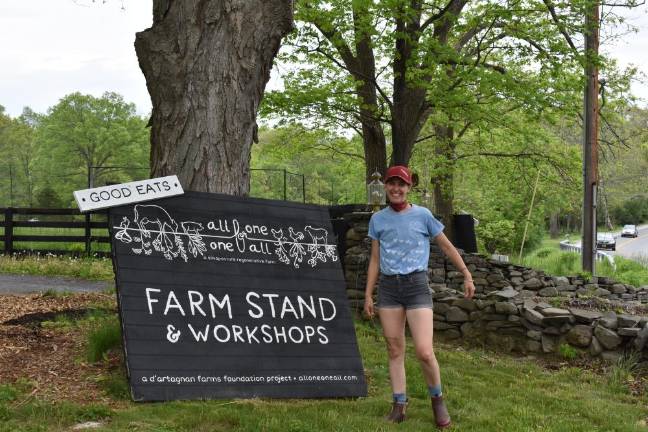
223 297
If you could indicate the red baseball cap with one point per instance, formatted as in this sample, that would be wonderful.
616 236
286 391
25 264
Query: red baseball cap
400 171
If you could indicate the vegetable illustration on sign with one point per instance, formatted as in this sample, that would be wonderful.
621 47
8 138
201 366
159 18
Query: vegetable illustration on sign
153 229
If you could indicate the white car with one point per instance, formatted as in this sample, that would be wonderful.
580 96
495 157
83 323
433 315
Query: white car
630 231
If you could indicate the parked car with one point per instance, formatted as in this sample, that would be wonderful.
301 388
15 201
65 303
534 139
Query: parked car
630 231
605 241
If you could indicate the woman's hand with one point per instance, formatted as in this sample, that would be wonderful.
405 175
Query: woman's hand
469 289
369 307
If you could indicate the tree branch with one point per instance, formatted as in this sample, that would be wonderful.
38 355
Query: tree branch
424 138
336 150
561 27
521 155
452 4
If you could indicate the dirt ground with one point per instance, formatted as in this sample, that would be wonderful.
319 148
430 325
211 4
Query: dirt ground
50 360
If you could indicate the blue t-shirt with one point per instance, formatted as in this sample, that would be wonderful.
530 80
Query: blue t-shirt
404 238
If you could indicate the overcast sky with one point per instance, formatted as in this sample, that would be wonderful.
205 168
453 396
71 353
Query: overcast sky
55 47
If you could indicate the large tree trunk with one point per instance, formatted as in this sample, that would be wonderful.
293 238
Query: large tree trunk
373 137
408 117
374 148
206 64
444 183
408 110
363 69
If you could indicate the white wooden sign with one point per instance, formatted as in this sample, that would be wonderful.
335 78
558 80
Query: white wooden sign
127 193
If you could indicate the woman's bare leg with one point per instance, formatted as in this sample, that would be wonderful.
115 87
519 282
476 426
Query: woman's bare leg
393 324
420 324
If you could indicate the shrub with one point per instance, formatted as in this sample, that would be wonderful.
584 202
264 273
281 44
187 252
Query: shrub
554 261
102 339
557 302
632 211
497 236
8 393
115 385
622 372
567 351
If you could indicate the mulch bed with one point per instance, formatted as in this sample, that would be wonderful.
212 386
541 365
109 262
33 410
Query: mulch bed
50 360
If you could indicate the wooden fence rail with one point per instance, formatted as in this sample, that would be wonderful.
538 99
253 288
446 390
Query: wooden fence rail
15 217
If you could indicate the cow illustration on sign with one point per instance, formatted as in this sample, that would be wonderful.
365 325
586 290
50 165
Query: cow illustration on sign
157 231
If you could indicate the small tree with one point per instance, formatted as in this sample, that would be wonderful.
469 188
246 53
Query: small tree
83 135
48 198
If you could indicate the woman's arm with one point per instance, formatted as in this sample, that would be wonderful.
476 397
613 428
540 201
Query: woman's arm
372 277
450 251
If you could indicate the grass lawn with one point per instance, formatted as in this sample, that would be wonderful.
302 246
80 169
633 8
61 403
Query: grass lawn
556 262
485 392
49 265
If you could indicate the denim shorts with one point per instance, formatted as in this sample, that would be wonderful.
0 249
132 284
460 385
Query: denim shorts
410 291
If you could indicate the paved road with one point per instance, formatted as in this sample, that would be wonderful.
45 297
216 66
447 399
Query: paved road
634 248
25 284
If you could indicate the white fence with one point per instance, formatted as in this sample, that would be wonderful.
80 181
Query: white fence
600 256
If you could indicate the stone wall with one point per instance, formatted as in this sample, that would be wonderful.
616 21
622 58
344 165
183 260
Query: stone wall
517 308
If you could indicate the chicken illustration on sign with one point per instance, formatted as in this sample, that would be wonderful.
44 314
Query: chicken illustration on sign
152 229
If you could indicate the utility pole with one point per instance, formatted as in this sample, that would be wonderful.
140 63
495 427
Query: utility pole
590 135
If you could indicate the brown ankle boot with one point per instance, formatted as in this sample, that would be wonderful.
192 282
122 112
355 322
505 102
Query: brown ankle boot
397 413
441 415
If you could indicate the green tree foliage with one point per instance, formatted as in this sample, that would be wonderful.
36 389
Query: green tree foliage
84 137
46 197
403 72
18 146
623 165
496 190
332 166
497 236
633 211
47 156
495 180
5 122
394 63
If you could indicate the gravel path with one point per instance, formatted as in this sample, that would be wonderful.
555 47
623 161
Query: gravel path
24 284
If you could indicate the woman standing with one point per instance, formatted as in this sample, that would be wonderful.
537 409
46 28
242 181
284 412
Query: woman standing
400 251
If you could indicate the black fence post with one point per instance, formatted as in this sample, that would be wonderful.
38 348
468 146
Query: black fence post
285 179
8 246
88 233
